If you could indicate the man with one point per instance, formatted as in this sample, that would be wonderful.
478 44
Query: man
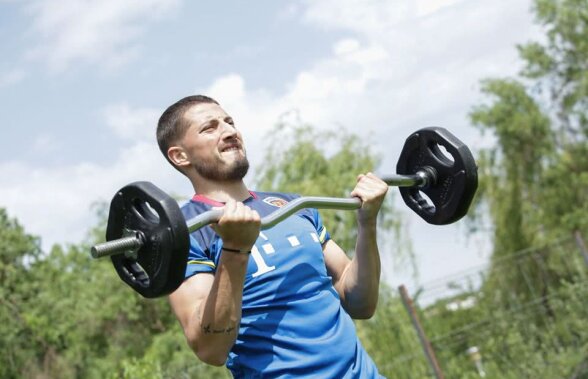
276 303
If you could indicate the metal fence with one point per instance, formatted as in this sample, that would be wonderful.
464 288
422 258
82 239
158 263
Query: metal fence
522 315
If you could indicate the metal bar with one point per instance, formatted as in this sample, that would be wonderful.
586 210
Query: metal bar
425 343
422 178
309 202
204 219
117 246
279 215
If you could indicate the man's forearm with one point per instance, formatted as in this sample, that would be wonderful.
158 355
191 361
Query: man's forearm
216 321
362 278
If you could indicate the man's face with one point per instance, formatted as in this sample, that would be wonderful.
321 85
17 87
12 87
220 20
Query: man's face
212 144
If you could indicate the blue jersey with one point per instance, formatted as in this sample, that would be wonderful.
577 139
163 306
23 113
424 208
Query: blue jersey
292 323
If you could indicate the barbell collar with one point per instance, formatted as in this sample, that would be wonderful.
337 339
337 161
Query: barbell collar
124 245
424 177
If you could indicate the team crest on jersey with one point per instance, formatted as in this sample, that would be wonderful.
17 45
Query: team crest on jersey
275 201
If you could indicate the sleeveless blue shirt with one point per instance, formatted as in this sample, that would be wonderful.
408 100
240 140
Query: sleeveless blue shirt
292 323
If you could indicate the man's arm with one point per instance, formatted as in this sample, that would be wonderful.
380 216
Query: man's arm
209 306
358 280
209 309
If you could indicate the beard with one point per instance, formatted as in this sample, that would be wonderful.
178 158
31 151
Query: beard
222 173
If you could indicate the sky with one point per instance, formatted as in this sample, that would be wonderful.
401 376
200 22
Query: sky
83 82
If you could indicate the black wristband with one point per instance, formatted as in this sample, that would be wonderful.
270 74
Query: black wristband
236 251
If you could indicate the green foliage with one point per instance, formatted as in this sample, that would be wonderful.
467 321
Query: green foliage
17 251
302 160
560 64
529 318
64 315
541 141
533 182
564 198
519 336
510 173
168 357
390 340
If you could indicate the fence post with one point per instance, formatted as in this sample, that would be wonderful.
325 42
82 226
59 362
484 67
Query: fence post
427 348
581 246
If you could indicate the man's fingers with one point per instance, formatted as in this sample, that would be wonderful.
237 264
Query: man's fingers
369 187
235 211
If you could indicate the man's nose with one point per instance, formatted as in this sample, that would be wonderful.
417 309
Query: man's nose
228 130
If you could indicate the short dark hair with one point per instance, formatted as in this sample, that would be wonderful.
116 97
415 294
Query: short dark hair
172 126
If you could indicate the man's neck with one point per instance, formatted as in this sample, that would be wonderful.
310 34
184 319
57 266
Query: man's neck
222 191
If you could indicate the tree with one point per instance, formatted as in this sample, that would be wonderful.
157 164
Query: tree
534 180
300 159
18 250
536 175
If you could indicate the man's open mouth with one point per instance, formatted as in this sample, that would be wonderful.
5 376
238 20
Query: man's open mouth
231 148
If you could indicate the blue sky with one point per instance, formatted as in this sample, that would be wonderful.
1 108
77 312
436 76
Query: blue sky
82 84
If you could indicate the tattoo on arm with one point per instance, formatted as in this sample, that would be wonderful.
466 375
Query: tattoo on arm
207 329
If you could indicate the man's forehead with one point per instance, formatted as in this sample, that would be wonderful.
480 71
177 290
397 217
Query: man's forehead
204 111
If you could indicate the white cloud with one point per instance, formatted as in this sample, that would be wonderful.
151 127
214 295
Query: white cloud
400 72
345 46
12 77
356 15
230 87
45 143
55 203
428 7
404 65
407 65
132 123
96 31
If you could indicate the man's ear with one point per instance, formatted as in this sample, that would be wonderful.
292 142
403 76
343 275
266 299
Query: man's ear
177 156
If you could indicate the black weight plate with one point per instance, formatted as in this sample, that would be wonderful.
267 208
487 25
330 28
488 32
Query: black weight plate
161 262
457 177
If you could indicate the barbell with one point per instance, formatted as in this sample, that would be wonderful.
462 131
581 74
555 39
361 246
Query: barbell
148 237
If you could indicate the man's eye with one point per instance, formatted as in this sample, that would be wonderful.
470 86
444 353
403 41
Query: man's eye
208 127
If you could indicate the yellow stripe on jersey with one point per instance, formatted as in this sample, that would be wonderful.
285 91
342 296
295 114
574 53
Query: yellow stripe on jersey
207 263
323 235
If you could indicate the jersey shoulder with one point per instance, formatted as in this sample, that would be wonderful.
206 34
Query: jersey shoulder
205 235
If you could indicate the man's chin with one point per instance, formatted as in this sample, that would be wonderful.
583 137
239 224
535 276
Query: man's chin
235 171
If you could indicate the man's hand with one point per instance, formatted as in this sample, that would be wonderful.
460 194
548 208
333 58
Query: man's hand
371 190
238 227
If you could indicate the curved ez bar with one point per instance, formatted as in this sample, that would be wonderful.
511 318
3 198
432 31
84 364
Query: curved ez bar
125 244
204 219
422 178
281 214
